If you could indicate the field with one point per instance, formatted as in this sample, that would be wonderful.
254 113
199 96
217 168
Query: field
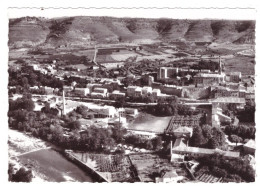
149 122
245 65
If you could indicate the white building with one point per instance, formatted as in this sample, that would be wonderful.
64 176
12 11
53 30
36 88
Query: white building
91 86
100 90
131 111
234 77
48 90
81 91
104 112
147 90
117 94
131 90
67 89
156 92
97 95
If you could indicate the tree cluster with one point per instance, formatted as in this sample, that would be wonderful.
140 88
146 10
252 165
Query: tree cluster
22 175
149 144
27 77
243 131
247 114
165 108
207 137
24 103
231 169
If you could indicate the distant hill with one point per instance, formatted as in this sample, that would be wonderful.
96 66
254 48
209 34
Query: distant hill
83 30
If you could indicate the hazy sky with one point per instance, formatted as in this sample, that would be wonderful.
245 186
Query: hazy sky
243 14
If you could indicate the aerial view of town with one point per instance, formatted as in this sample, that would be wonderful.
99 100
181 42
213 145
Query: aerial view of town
110 99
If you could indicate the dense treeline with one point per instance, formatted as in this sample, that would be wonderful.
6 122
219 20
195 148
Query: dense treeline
207 137
28 77
210 65
170 109
22 175
247 114
232 170
149 144
243 131
64 132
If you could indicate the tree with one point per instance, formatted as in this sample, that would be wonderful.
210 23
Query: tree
22 175
219 136
157 143
10 172
148 145
218 172
197 138
207 133
235 138
212 143
83 110
74 125
120 102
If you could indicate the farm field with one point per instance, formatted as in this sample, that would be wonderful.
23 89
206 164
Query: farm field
116 168
245 65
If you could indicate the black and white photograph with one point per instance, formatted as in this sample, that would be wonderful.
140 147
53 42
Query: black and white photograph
100 97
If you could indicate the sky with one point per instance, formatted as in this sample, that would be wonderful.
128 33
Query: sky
184 13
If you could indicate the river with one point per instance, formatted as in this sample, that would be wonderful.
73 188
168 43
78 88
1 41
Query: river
53 167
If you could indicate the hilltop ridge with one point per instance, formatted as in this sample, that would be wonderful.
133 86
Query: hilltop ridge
84 31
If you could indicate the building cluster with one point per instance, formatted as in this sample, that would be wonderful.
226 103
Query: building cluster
180 148
146 91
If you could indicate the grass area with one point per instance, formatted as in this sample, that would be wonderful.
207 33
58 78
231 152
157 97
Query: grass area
148 122
245 65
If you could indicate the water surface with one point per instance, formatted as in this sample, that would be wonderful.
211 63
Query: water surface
54 167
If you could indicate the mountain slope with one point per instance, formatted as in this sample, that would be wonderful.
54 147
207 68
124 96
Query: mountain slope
83 30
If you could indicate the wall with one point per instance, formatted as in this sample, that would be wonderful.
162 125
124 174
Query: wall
170 90
196 93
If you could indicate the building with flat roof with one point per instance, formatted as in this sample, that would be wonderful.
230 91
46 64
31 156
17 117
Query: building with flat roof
104 112
249 147
229 100
81 91
195 151
147 91
234 77
131 90
116 94
167 72
208 78
156 92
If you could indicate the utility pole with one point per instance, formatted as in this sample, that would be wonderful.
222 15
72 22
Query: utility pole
63 103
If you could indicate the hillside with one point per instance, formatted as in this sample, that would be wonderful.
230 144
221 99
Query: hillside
83 31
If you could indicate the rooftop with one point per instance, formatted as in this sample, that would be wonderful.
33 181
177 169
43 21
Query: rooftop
206 151
117 92
229 100
208 75
250 144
